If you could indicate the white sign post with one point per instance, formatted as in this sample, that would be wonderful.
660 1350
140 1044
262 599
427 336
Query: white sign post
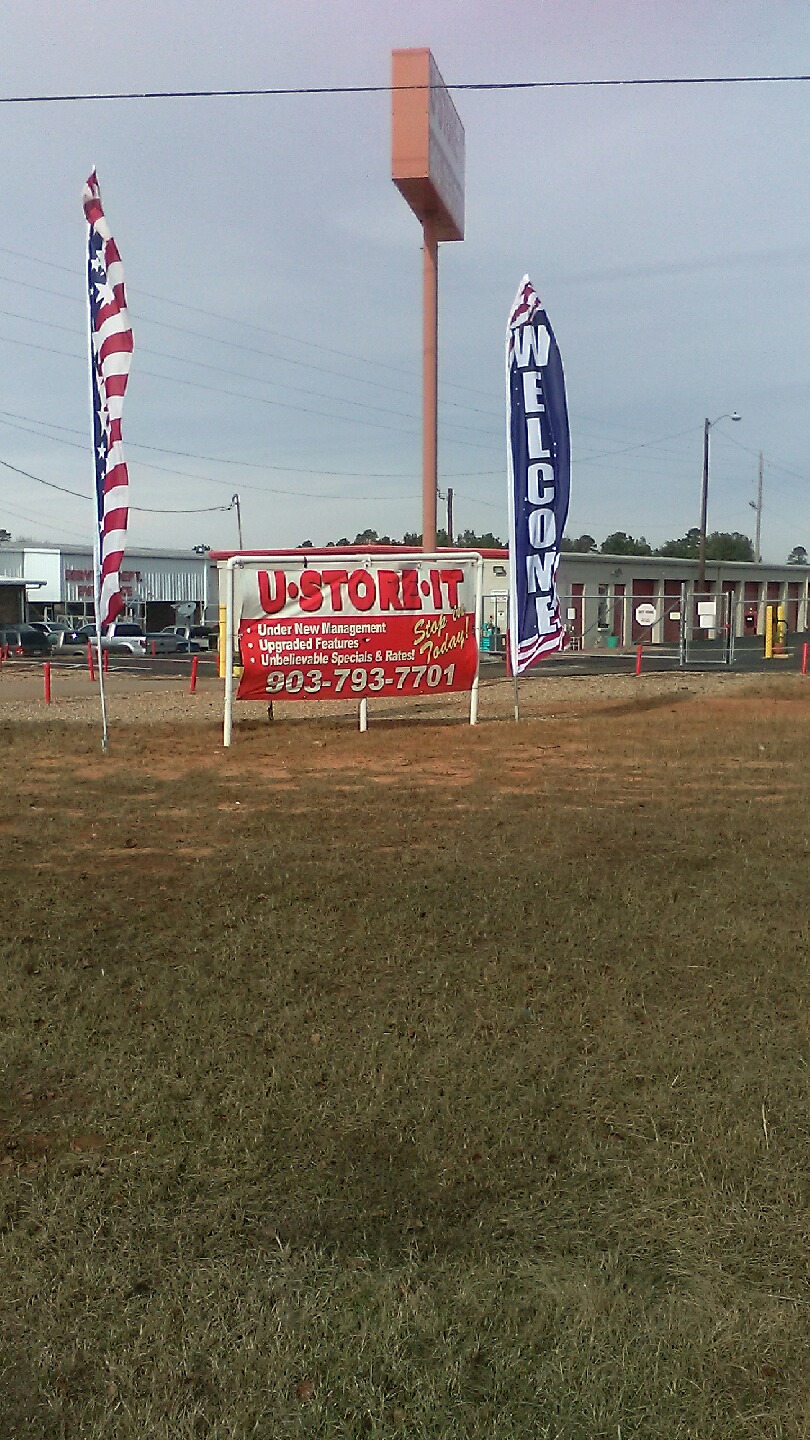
337 624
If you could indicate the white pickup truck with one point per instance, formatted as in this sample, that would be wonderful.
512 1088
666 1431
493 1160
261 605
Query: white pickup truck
127 637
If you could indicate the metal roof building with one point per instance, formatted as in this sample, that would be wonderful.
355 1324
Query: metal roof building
12 600
159 586
600 595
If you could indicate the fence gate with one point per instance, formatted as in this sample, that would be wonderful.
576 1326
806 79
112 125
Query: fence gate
686 628
495 623
707 628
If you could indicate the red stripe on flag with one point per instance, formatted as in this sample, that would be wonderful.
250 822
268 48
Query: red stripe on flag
112 563
115 344
115 478
116 385
116 520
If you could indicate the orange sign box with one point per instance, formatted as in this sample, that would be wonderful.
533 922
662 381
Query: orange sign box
427 151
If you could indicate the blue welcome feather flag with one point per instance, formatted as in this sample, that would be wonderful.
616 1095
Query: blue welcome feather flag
539 469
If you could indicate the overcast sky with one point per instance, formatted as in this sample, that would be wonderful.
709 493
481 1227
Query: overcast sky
274 271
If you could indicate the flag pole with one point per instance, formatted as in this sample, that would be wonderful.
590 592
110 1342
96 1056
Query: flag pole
105 738
511 605
96 521
510 661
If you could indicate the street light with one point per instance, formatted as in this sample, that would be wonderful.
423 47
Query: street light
704 497
235 501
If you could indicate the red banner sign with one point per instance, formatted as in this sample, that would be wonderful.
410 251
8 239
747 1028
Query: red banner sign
380 627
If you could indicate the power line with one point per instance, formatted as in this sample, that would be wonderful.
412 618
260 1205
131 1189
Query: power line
45 425
241 395
211 509
642 445
483 85
253 379
38 520
50 484
252 349
199 510
230 320
187 475
216 390
773 464
79 495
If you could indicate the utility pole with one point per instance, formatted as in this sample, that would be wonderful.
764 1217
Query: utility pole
700 584
449 515
235 501
758 540
704 504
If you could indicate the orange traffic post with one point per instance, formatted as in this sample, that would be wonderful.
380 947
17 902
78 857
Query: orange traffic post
804 658
638 659
193 682
90 666
47 677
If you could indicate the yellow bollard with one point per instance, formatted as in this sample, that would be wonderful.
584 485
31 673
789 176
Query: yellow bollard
780 632
222 642
223 648
769 632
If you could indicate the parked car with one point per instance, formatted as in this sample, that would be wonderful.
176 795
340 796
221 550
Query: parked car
190 638
65 641
24 640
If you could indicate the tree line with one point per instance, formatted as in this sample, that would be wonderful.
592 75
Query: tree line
466 540
720 544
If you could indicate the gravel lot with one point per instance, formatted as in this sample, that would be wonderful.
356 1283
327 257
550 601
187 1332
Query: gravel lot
134 699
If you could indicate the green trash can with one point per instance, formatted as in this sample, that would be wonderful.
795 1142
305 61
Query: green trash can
612 642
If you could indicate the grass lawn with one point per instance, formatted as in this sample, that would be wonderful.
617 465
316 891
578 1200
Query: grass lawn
424 1083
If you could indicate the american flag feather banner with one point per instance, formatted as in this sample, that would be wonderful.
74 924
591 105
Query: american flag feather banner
538 468
110 359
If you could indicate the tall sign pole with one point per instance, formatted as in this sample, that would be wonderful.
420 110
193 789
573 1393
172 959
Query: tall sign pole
430 381
427 166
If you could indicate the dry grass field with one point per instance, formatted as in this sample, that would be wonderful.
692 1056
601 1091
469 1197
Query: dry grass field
433 1082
